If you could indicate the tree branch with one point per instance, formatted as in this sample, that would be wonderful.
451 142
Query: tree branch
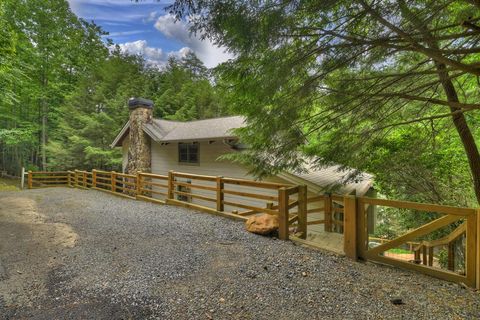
433 54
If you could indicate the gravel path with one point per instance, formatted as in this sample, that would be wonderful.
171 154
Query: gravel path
83 254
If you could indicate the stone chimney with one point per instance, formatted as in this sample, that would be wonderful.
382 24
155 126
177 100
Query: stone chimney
139 147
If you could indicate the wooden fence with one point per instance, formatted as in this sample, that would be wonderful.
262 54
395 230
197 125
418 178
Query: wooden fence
332 210
239 199
358 241
177 188
45 179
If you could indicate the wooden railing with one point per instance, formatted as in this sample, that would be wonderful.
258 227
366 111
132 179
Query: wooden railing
239 199
230 197
357 239
425 249
44 179
332 209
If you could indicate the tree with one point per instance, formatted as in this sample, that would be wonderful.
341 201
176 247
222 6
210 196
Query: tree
185 91
52 49
95 112
339 80
64 90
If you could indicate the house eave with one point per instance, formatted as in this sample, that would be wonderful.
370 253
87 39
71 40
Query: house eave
316 188
197 139
117 142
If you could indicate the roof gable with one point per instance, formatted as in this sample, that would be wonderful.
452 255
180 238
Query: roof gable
117 142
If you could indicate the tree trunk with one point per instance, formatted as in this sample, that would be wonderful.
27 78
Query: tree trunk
463 129
458 119
44 137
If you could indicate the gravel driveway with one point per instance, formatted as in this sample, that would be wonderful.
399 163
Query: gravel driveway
84 254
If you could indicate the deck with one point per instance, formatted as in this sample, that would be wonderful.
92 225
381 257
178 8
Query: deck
316 234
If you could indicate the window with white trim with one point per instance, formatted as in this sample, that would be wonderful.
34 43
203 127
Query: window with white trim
188 152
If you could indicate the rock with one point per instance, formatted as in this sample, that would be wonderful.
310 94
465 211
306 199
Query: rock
262 224
397 301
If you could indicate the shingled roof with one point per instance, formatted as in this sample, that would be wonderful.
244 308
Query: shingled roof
330 178
171 131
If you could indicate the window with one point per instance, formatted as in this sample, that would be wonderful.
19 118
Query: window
188 152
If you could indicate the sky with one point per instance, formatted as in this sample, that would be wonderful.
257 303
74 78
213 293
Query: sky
145 28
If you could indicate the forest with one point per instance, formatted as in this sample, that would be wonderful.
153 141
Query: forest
65 90
390 89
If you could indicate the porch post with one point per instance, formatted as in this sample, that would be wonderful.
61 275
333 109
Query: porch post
282 214
302 210
350 227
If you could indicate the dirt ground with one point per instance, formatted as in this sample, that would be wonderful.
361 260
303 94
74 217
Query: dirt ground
84 254
29 245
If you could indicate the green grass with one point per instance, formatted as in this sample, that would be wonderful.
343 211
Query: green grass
399 251
9 185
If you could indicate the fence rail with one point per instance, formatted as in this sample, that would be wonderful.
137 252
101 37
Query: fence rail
230 197
44 179
239 199
358 243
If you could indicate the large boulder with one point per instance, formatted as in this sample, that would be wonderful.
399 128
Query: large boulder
262 224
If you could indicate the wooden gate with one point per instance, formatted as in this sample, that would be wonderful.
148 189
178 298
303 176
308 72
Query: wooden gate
463 221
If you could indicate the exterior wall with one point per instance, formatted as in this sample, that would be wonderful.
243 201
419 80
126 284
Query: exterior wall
165 158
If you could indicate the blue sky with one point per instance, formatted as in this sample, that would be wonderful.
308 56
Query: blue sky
145 28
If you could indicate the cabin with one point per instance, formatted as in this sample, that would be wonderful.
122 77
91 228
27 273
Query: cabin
158 146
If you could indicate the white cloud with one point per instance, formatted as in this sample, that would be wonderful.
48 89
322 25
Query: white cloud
153 56
151 16
210 54
115 2
108 10
124 33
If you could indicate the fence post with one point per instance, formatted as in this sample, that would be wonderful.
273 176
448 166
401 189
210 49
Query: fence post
220 187
113 179
282 214
416 256
171 177
471 248
328 213
22 179
362 230
29 180
350 227
75 179
451 256
94 178
302 210
84 177
430 256
139 183
424 256
477 250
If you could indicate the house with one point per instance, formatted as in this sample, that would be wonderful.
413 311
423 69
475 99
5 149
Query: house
158 145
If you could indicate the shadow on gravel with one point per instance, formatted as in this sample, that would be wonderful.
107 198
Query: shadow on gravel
101 308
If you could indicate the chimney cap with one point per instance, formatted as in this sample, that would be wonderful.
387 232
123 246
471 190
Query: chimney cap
134 103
